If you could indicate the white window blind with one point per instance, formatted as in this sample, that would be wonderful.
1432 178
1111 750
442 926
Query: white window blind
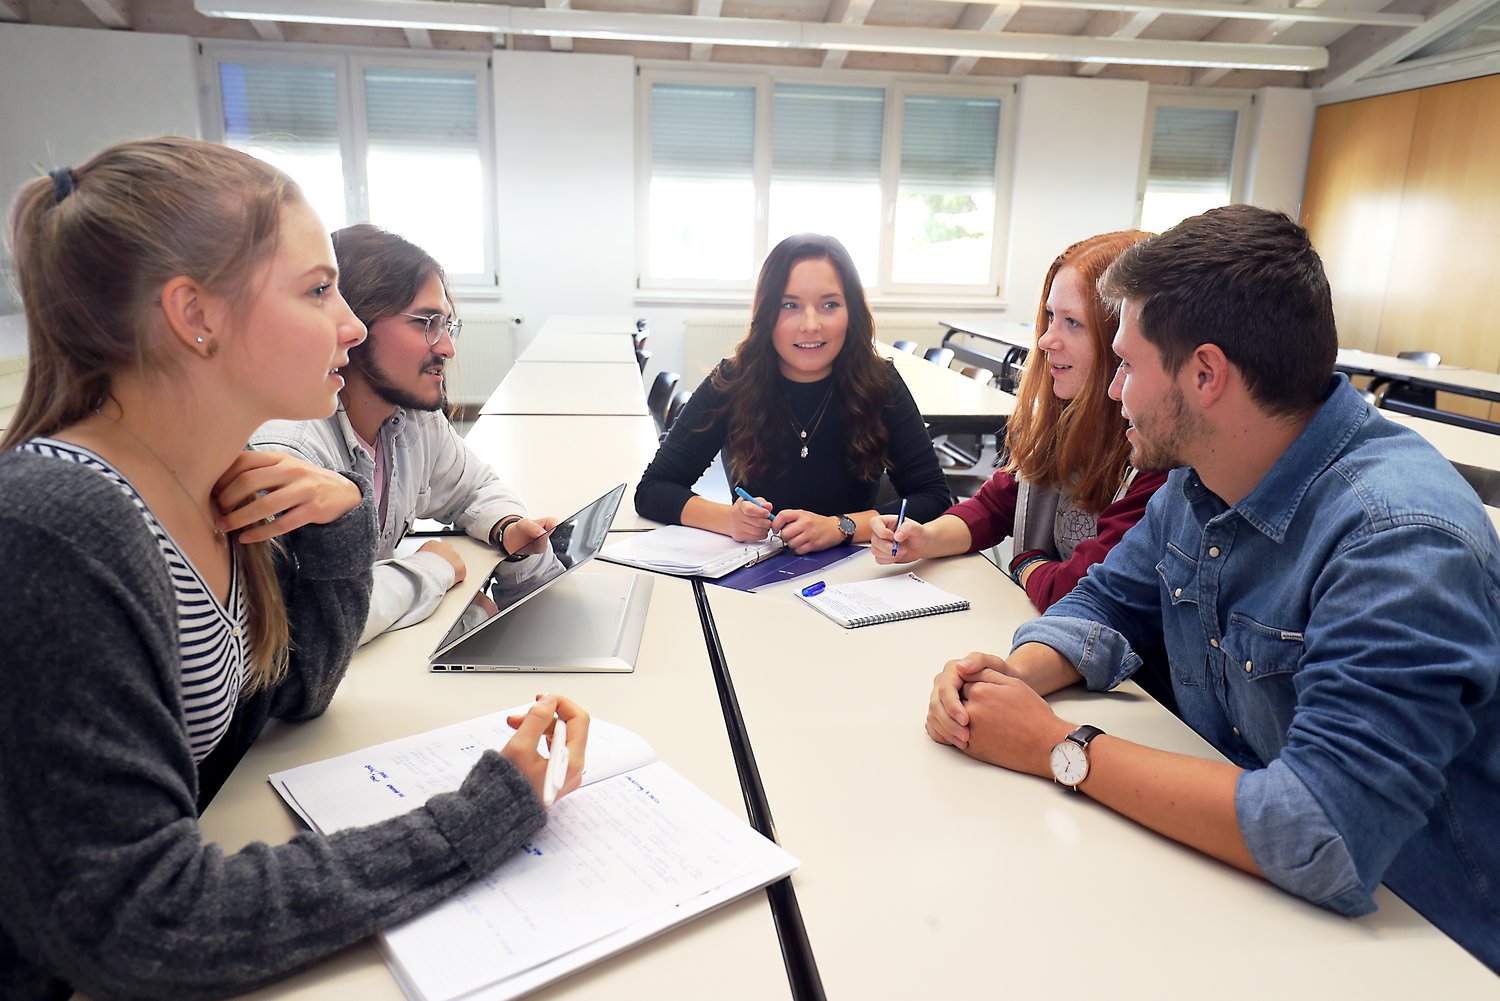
945 208
1191 168
948 143
825 167
701 199
702 131
422 135
905 175
1192 149
287 114
415 161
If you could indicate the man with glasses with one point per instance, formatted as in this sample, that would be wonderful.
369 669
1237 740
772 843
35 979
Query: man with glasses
390 427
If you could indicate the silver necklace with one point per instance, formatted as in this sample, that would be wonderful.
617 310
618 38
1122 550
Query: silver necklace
172 473
806 432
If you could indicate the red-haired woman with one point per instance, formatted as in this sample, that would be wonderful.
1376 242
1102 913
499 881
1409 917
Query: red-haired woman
808 414
1067 493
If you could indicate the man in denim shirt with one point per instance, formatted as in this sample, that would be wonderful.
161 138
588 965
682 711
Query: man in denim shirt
1326 586
390 428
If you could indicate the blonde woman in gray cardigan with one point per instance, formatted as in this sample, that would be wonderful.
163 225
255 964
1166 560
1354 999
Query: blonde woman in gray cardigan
178 294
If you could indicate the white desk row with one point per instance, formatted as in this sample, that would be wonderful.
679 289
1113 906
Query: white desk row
922 867
671 700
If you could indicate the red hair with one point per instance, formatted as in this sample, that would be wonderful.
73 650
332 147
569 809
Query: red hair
1077 446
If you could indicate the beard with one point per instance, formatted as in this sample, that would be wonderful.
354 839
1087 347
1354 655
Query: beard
386 388
1159 442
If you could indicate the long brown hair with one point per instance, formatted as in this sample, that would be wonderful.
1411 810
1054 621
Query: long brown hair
1078 445
379 274
90 261
750 380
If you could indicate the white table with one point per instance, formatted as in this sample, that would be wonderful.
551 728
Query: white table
599 388
1443 378
949 401
561 462
670 700
926 873
1465 445
564 347
591 323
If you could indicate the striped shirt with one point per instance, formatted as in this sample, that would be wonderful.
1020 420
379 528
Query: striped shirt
214 640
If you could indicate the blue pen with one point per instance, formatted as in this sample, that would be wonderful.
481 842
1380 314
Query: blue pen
899 519
813 589
745 495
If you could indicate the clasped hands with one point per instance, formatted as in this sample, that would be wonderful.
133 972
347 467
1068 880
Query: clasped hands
802 531
980 707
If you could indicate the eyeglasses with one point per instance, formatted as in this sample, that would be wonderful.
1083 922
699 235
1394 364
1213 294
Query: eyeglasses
434 325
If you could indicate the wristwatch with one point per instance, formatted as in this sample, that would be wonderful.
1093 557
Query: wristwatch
846 525
1070 757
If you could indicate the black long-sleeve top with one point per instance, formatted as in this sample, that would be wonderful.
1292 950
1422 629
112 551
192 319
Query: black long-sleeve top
821 482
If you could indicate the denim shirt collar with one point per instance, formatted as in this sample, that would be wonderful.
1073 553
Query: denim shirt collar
1272 505
391 427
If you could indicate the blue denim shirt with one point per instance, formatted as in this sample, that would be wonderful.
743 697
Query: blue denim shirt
1337 634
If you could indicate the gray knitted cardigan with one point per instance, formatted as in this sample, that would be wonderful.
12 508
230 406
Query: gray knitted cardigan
106 885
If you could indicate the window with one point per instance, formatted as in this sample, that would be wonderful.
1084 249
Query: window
1192 161
400 142
905 175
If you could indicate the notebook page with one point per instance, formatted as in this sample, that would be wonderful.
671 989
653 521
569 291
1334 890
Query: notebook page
613 855
389 779
902 593
683 549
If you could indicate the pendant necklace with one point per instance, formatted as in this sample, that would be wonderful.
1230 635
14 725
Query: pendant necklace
173 473
805 432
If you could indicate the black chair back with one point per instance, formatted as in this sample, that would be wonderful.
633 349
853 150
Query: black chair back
659 397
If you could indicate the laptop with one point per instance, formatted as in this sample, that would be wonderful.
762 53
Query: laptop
584 623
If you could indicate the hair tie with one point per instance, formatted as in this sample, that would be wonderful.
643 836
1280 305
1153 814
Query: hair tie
62 183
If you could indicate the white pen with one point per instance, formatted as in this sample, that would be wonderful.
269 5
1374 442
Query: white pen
557 763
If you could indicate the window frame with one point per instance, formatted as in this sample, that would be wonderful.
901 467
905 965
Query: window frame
1241 103
349 64
897 87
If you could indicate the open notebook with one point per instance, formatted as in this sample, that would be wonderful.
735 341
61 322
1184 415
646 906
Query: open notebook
689 552
884 599
635 851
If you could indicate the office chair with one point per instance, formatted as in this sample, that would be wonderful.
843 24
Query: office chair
977 373
659 397
1397 393
910 347
939 356
642 356
674 409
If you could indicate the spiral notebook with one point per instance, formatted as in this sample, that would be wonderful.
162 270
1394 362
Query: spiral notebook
885 599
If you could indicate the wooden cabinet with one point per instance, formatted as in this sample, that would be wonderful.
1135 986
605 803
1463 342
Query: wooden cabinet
1403 202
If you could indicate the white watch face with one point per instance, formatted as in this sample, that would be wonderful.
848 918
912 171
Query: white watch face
1070 763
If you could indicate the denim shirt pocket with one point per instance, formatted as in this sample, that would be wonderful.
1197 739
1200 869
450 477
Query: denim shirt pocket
1262 664
1179 581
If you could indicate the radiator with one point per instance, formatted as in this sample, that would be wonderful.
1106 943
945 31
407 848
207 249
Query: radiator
486 351
706 339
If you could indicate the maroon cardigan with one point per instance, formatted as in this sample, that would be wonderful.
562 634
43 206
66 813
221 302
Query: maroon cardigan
991 515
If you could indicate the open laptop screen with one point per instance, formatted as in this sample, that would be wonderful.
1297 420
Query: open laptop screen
574 541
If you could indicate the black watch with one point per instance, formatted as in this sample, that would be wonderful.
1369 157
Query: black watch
846 525
1070 756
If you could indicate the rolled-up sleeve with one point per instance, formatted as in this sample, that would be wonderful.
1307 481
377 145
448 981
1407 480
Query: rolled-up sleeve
1294 843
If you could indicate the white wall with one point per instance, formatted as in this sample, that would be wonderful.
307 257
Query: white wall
67 92
565 136
1281 129
1078 156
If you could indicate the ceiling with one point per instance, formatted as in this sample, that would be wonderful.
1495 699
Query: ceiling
1199 43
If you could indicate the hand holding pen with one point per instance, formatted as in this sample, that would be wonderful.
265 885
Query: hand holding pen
884 545
566 726
749 517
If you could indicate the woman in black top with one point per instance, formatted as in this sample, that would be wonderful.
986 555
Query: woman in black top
808 414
